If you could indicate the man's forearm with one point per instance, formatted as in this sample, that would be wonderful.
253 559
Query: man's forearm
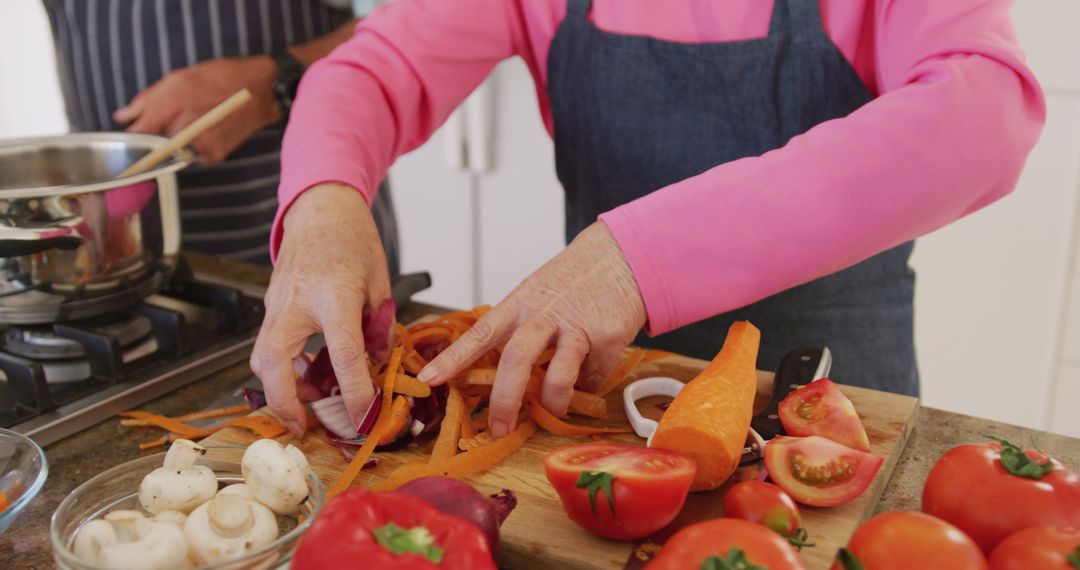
307 52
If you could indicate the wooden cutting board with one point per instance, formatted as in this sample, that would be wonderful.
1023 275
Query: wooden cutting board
539 535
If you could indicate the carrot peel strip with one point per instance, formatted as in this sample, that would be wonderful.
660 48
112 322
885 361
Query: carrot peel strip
349 474
463 464
450 429
618 376
588 404
467 429
410 386
540 415
237 410
265 426
174 426
399 415
480 377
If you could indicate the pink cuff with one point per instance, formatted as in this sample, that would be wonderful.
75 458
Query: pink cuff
652 281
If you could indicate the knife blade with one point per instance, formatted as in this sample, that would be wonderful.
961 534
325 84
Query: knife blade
797 368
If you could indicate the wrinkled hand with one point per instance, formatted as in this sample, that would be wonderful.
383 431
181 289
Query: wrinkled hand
331 266
585 301
184 95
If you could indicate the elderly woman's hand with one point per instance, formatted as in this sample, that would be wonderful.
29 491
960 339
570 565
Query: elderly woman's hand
584 301
331 267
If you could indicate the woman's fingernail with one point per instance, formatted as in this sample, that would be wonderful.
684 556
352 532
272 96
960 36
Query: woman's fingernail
427 374
498 429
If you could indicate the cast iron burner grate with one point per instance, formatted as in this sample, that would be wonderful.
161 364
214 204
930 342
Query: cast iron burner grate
196 328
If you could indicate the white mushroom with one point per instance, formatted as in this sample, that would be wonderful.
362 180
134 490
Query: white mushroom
127 540
175 518
91 538
178 485
275 476
228 527
237 489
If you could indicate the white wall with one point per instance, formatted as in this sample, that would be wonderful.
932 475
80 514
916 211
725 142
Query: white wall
30 102
991 289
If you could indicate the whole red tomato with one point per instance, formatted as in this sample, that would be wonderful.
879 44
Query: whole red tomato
905 541
621 492
1043 547
991 490
764 504
725 543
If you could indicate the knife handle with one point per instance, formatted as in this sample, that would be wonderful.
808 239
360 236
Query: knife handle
797 368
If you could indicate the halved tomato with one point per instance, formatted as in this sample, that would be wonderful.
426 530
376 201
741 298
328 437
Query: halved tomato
621 492
819 472
820 408
725 543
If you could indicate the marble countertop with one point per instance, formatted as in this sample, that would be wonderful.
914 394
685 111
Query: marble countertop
79 457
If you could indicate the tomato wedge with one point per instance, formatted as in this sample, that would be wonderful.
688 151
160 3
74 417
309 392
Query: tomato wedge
820 408
819 472
621 492
726 543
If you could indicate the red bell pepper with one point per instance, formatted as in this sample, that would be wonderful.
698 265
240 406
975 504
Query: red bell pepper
389 530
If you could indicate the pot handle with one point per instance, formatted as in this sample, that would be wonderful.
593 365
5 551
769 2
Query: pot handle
20 247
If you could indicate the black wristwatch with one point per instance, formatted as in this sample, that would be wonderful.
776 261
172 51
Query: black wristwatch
289 72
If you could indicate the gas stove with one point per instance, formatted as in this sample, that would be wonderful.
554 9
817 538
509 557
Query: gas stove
58 379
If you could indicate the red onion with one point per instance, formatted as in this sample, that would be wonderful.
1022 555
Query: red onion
459 499
320 373
255 398
333 416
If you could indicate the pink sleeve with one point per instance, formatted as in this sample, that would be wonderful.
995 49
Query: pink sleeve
375 98
950 134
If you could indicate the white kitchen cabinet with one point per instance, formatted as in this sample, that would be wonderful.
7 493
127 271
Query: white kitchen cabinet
30 101
482 224
435 205
521 200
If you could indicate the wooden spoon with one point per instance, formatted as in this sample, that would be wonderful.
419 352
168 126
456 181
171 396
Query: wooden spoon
188 133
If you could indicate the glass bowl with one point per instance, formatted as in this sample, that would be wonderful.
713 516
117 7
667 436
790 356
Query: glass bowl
118 488
23 469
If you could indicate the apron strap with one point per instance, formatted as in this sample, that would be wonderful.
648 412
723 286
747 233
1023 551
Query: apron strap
578 8
798 18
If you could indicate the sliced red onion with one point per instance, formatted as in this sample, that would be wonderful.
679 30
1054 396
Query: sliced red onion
333 416
255 398
416 428
503 502
430 410
348 453
320 373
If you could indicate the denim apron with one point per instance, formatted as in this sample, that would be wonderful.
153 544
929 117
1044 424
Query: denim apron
633 114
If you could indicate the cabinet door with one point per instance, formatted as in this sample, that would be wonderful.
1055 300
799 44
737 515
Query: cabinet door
435 207
521 202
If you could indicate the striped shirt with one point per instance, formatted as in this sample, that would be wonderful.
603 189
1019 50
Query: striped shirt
110 50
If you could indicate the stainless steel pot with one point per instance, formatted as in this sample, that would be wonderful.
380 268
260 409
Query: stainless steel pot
76 242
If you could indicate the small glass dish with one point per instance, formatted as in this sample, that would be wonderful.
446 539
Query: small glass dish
23 469
118 488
